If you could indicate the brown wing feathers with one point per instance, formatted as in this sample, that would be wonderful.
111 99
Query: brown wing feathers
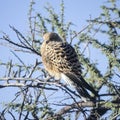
62 59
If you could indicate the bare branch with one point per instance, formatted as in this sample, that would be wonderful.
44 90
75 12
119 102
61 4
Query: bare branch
22 45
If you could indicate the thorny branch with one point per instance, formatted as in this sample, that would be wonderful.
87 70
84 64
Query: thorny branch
20 80
37 92
75 106
23 41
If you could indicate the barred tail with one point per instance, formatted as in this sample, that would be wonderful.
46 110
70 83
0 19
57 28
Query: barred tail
82 86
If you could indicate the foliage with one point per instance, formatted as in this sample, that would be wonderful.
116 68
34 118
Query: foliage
40 97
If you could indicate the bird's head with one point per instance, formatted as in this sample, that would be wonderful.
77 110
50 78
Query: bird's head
51 37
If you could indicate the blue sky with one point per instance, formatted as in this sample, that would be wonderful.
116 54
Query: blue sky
15 13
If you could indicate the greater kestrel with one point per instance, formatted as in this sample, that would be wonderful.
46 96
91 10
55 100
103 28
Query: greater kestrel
61 61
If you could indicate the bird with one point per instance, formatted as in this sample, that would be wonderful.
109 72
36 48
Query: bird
61 61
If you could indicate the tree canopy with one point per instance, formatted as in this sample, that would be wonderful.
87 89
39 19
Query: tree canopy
37 96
